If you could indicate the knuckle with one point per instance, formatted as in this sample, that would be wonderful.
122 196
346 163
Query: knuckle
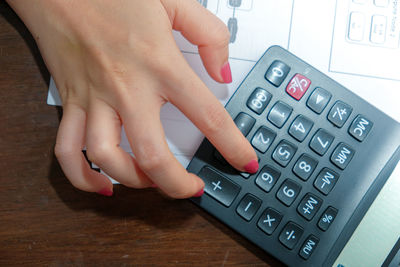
149 158
98 153
62 150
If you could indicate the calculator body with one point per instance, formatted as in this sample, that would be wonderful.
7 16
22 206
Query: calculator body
301 218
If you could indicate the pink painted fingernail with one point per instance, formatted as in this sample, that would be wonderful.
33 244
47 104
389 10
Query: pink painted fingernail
200 193
105 192
226 73
252 166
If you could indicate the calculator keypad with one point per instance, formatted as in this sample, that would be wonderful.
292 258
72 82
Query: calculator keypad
305 136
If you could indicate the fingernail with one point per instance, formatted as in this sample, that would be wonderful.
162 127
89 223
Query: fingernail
200 193
105 192
252 166
226 73
154 185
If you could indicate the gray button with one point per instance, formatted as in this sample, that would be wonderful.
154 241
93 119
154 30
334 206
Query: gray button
360 127
326 180
309 206
308 247
327 218
263 139
339 113
305 166
291 235
342 155
318 100
279 114
248 207
288 192
258 100
269 220
284 152
277 72
219 187
321 141
244 122
300 127
267 177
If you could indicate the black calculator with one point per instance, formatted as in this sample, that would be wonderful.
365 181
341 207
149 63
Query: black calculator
324 154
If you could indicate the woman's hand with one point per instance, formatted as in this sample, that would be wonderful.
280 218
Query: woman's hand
116 63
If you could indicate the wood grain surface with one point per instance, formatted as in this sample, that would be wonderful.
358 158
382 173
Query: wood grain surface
45 221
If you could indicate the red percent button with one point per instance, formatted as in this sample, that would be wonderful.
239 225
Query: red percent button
298 86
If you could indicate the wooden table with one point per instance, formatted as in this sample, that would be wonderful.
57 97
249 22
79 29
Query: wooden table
45 221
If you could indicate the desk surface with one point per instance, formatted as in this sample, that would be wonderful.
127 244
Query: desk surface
44 220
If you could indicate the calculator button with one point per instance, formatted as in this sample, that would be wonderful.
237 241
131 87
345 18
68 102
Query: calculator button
248 207
356 26
326 180
342 155
258 100
269 220
360 128
378 29
318 100
321 141
284 152
309 206
305 166
263 139
288 192
277 72
339 113
279 114
381 3
298 86
308 247
300 127
290 235
327 218
267 177
219 187
244 122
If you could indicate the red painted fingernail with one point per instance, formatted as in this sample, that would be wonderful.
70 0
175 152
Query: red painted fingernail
154 185
200 193
105 192
252 166
226 73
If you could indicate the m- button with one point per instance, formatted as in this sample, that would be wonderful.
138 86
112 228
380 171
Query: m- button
219 187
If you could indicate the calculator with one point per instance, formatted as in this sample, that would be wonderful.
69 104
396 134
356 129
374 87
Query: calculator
324 154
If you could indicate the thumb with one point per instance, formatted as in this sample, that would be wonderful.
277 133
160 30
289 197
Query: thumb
202 28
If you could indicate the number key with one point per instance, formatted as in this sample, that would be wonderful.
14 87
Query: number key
300 127
305 166
277 72
279 114
263 139
284 152
267 178
288 192
258 100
